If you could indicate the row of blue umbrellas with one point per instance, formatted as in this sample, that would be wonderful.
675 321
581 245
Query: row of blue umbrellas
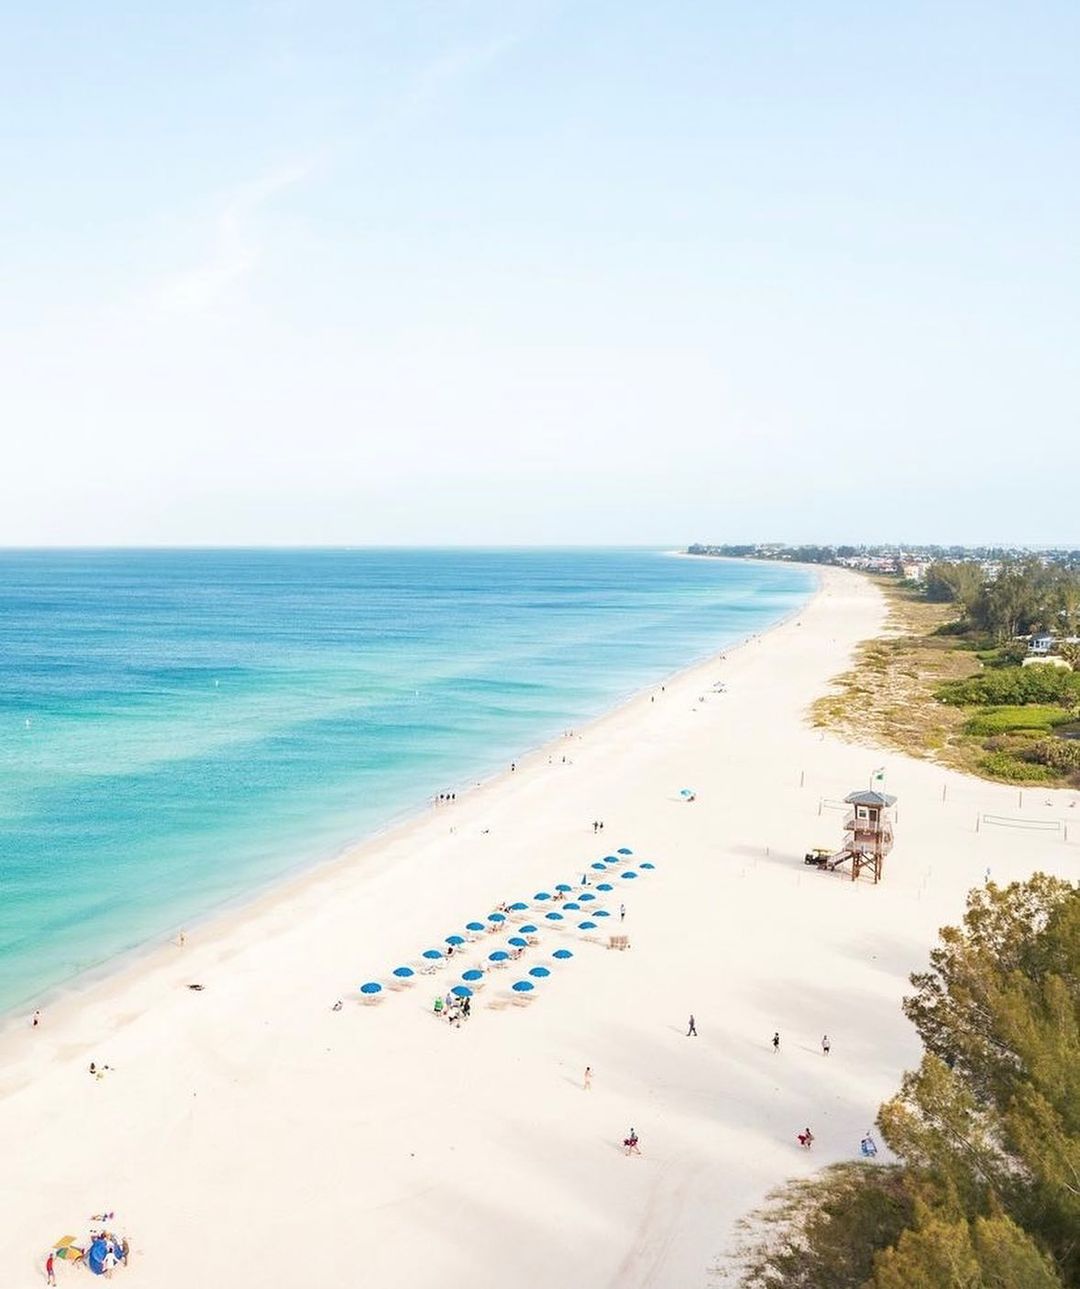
372 987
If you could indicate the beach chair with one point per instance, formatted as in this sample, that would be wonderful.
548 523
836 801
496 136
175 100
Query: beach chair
618 942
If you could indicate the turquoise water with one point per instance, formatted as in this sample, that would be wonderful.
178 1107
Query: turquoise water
180 727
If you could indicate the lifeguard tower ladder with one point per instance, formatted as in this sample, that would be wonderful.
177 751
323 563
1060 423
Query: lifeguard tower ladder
868 834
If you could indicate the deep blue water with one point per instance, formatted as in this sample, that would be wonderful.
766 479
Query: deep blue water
179 727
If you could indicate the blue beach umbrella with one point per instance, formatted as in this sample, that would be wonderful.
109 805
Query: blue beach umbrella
474 973
496 917
605 886
562 954
403 973
611 859
432 954
629 873
519 907
585 896
500 955
624 850
474 926
541 895
646 864
539 972
455 940
571 906
686 792
562 886
586 926
599 866
372 987
518 941
528 929
523 986
554 917
600 913
461 991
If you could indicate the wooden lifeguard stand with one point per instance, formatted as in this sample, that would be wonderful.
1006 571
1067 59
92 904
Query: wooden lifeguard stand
868 834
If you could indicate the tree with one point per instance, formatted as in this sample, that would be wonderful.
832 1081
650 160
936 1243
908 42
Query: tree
946 581
943 1252
994 1109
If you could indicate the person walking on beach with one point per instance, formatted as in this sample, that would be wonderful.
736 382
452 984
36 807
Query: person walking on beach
631 1142
622 912
825 1044
776 1041
692 1028
50 1268
35 1020
587 1082
595 826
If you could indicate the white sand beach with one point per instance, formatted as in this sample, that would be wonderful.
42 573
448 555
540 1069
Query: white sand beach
249 1135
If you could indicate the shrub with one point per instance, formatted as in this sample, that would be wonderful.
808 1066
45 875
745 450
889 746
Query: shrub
1014 686
1004 765
1062 755
822 1232
1009 720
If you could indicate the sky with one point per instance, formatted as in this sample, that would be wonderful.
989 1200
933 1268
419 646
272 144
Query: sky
539 271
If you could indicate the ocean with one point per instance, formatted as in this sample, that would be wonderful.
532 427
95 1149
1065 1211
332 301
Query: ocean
180 727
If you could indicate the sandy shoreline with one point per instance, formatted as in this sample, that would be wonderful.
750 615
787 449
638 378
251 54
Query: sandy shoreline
250 1135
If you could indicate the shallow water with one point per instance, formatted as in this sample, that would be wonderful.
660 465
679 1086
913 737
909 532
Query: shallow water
180 727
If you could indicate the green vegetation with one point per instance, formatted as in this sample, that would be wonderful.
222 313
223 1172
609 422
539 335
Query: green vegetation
1015 687
1003 763
1015 720
1025 596
987 1130
1014 703
949 679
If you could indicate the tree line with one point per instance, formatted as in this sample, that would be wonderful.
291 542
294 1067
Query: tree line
986 1193
1025 596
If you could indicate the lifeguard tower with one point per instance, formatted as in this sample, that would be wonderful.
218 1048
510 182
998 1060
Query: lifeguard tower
868 834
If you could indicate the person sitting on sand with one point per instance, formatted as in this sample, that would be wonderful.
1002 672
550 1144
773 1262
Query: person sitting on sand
806 1139
438 1006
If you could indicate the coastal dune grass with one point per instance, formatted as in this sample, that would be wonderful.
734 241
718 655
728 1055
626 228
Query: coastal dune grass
931 691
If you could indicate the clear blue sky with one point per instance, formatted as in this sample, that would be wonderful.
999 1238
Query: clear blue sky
530 271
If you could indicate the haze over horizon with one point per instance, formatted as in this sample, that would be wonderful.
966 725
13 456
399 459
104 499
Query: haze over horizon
530 272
